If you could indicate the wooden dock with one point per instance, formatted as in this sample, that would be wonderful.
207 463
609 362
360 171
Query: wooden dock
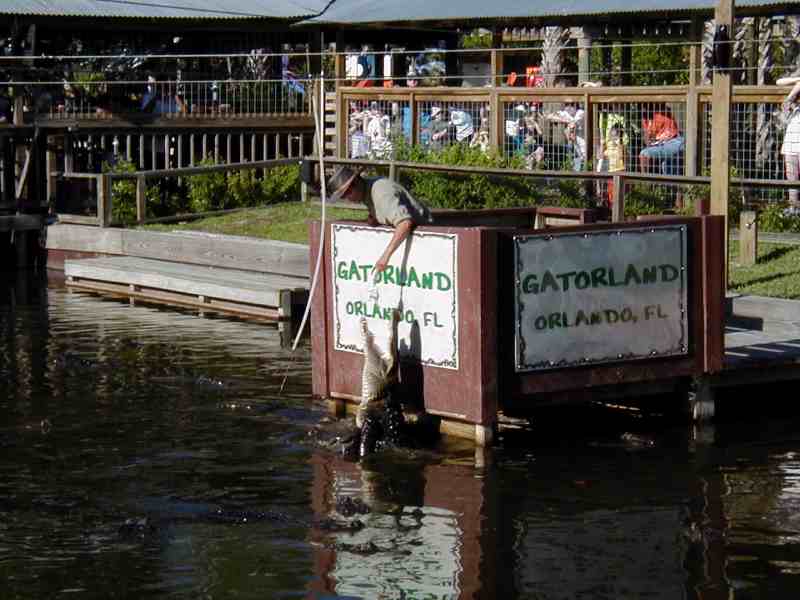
234 275
762 341
231 291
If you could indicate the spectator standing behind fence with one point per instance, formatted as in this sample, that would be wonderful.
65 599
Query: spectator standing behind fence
572 117
662 140
437 129
613 145
461 121
790 149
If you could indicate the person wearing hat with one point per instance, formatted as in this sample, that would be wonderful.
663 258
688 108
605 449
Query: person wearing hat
389 203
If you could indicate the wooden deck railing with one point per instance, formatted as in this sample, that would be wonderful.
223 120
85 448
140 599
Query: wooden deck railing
755 131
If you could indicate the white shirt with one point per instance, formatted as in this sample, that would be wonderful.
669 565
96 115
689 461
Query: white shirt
791 137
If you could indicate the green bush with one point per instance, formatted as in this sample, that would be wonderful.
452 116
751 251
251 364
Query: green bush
281 184
772 218
441 190
123 194
244 189
207 191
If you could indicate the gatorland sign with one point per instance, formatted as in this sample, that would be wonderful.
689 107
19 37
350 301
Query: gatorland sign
420 281
600 297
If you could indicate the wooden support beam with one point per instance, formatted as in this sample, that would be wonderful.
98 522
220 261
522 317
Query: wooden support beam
618 199
748 238
23 176
141 199
584 59
497 59
720 127
339 60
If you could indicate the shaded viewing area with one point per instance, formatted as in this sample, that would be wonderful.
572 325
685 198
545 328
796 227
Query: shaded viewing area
591 96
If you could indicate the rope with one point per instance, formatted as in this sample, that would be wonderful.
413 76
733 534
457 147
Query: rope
318 118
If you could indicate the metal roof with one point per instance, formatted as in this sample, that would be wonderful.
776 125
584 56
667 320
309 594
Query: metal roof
168 9
363 12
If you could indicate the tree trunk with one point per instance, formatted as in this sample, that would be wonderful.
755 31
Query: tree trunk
742 42
708 53
554 40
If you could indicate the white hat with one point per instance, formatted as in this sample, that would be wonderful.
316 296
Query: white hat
521 108
436 110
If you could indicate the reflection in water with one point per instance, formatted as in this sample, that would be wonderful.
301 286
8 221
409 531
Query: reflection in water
148 453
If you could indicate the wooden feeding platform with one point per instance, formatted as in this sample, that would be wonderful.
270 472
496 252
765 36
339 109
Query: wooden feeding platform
507 318
236 292
234 275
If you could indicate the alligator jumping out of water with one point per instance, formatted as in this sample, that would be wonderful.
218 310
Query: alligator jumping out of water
379 420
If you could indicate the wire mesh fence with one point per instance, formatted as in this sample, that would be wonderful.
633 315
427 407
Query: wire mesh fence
756 132
546 135
376 127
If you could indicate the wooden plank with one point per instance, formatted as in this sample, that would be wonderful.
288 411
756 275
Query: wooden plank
262 256
174 299
187 283
82 238
200 273
78 219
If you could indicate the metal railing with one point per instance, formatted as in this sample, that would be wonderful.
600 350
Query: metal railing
199 99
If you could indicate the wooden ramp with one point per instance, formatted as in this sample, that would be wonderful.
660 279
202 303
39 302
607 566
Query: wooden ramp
242 293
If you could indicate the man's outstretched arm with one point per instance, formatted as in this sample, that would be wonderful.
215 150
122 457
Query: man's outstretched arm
401 231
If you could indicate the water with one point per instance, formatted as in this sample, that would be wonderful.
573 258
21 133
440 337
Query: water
147 453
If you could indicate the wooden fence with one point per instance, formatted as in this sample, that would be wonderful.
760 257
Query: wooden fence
755 130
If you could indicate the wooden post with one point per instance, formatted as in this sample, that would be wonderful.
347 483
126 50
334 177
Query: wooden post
692 99
720 129
618 199
748 238
497 59
141 198
69 153
608 62
104 200
339 60
584 57
626 62
412 103
497 129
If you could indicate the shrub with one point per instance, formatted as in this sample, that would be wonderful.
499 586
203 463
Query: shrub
281 184
772 218
441 190
123 193
244 189
208 190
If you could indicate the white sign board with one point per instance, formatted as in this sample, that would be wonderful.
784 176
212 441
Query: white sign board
599 297
420 280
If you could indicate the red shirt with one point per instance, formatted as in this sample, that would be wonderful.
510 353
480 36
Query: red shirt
660 128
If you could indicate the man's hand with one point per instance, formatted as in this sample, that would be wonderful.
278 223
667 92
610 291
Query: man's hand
380 266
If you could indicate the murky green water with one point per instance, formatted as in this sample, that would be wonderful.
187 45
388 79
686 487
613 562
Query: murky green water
148 453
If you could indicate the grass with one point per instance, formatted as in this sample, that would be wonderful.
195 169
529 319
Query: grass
287 222
776 272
